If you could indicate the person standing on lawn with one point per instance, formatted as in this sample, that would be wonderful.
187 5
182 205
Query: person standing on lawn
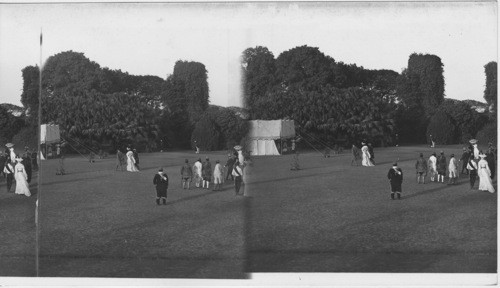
21 178
441 166
366 155
464 159
206 173
27 166
161 182
186 174
229 166
395 176
421 167
197 169
452 170
472 167
432 165
8 170
484 173
218 176
131 161
238 177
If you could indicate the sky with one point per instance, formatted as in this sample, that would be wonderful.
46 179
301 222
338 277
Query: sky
148 38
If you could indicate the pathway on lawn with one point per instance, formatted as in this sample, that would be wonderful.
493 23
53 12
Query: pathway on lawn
334 217
98 222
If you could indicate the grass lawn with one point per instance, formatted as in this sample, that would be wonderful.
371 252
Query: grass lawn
98 222
17 231
334 217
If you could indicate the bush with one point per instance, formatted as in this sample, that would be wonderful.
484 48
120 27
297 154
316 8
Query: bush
26 137
442 128
488 134
206 134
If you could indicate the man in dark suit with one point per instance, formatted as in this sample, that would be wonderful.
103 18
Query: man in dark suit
395 176
161 182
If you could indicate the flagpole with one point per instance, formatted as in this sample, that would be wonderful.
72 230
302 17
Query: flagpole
38 157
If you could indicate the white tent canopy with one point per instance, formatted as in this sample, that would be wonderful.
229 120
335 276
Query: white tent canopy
49 133
263 133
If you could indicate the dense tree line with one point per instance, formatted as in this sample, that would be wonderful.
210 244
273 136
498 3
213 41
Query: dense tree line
344 102
108 109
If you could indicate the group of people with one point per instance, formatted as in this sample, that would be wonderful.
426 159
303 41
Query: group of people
129 159
475 163
13 169
202 174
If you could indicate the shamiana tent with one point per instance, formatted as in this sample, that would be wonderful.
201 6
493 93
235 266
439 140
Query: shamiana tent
49 134
270 137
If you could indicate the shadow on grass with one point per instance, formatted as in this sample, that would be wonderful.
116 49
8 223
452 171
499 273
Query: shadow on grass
71 180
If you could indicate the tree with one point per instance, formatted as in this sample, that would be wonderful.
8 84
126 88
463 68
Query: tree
206 134
258 66
490 92
30 94
194 76
463 118
304 66
9 124
429 70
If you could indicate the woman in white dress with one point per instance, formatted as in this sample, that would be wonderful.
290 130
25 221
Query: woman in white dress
197 172
432 164
366 156
484 173
131 161
21 178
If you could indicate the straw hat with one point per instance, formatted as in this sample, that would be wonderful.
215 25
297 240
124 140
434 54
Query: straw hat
19 159
9 145
482 155
473 141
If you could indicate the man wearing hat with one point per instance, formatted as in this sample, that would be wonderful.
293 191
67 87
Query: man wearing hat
3 159
161 182
464 159
395 176
8 170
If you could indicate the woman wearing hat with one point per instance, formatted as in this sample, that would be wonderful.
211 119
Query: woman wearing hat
131 161
21 178
484 173
366 156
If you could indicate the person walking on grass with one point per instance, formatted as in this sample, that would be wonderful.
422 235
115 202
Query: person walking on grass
441 167
136 158
432 166
395 176
206 173
238 177
197 167
490 158
218 176
372 153
161 182
464 159
472 167
421 167
186 174
453 170
484 173
3 159
131 161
